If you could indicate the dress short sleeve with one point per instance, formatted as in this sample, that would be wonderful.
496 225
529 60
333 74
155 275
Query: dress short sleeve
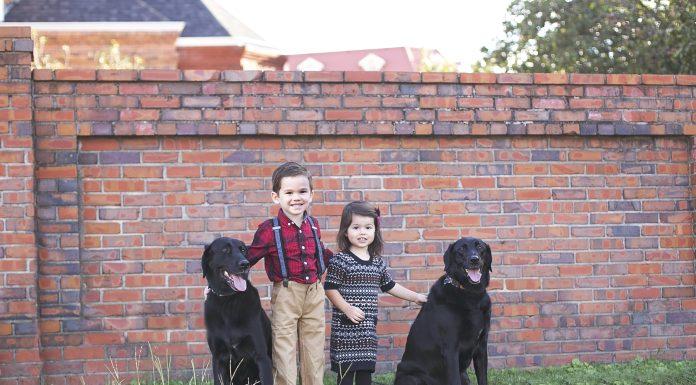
335 273
386 282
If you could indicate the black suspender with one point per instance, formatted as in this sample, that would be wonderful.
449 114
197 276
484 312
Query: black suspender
320 250
281 252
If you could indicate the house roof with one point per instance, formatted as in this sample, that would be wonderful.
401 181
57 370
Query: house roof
395 59
202 17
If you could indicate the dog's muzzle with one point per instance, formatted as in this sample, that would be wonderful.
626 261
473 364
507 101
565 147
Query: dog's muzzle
235 281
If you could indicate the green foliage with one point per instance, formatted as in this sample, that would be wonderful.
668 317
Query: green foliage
108 58
596 36
433 61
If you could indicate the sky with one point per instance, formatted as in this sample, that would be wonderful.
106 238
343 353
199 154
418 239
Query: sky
456 28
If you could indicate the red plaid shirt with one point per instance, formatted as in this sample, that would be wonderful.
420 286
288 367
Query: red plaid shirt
299 247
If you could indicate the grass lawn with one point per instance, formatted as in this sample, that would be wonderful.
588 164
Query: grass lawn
638 372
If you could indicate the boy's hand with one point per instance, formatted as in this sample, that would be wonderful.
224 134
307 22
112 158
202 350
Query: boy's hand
355 315
421 299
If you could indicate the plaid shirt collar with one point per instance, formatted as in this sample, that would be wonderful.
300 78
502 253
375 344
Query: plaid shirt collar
287 222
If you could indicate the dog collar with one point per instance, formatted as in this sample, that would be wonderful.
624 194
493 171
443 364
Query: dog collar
210 290
451 281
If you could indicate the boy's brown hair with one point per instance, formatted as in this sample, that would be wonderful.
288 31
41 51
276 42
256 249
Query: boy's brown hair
289 169
364 209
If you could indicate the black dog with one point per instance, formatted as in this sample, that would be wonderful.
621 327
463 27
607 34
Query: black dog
451 328
239 331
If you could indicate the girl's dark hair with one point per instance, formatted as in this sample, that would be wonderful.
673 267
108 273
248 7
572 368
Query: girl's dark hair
364 209
289 169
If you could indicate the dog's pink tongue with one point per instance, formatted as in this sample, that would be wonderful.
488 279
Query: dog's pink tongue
239 282
474 275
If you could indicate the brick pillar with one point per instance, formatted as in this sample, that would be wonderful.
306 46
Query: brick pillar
58 237
20 361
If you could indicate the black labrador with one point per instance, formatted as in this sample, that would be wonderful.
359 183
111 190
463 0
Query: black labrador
239 331
451 329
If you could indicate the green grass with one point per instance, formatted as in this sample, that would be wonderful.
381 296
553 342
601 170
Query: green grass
638 372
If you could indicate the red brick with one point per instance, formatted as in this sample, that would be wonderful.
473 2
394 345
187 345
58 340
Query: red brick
686 80
67 74
332 114
363 76
657 79
283 76
323 76
439 77
16 32
42 74
623 79
495 116
160 75
587 78
639 116
117 75
438 102
477 78
402 77
515 78
550 78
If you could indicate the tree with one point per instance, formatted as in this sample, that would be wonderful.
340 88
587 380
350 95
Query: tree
604 36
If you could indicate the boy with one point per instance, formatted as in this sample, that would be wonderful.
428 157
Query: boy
297 299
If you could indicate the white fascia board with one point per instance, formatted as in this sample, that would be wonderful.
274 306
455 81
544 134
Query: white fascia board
104 26
222 41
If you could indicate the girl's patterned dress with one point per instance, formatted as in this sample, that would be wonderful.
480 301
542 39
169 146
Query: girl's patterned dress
354 346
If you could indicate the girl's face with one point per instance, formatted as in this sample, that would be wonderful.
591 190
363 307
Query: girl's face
361 231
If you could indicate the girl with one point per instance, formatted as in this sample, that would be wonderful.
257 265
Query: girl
355 277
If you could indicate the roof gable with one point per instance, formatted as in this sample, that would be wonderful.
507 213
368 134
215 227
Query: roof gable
198 18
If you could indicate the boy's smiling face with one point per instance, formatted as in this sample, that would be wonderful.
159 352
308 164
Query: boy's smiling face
294 196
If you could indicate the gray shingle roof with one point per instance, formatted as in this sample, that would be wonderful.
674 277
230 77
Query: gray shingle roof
198 18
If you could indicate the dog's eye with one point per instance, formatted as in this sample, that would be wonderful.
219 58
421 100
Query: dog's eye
243 249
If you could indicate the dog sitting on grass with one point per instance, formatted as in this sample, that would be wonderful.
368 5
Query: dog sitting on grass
238 330
451 329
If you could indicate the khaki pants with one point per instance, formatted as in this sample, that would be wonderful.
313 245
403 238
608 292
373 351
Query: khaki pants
298 314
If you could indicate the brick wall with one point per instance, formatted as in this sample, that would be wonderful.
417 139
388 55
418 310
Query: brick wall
582 184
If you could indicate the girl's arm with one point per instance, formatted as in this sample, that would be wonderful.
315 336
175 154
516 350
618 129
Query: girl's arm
353 313
409 295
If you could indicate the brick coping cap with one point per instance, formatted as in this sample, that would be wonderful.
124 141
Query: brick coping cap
362 77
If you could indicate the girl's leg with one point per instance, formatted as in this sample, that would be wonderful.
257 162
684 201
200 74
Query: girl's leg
363 377
346 379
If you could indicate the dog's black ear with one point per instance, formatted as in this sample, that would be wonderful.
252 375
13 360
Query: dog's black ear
448 255
489 257
205 258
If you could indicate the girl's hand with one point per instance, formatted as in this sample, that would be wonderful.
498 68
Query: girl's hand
421 299
355 315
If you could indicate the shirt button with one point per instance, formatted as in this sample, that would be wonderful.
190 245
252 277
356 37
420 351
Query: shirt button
306 278
305 262
302 247
300 231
